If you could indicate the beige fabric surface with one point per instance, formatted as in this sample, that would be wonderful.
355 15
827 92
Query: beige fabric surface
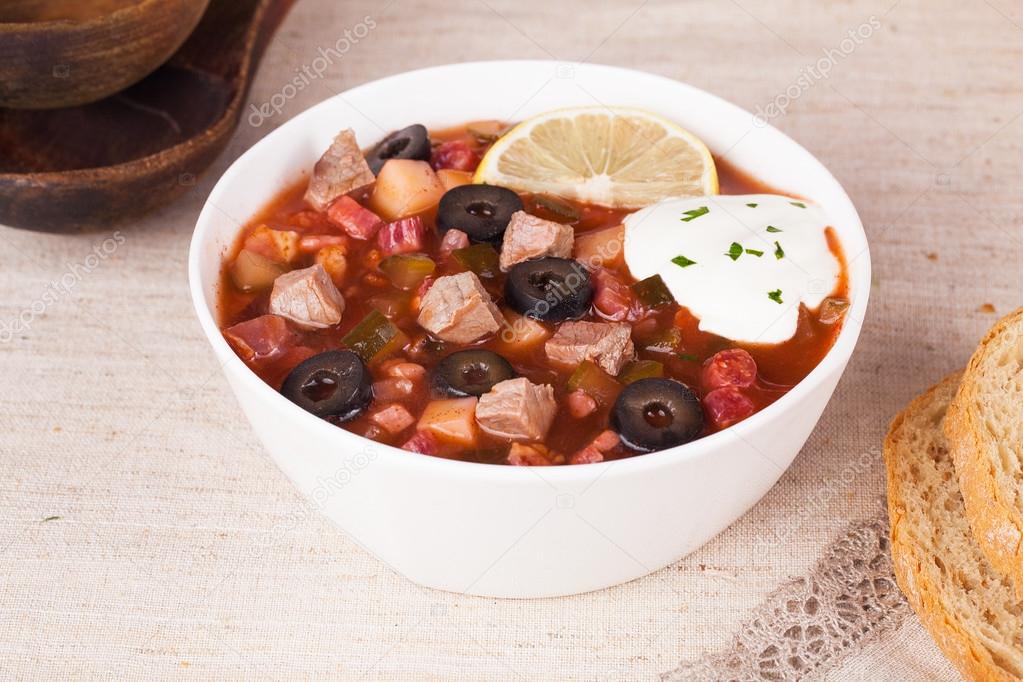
146 535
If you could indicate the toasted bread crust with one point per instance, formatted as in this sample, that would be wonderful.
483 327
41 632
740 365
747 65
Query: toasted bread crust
996 520
915 439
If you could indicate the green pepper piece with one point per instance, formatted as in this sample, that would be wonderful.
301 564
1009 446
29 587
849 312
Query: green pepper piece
407 270
640 369
601 386
375 337
653 292
480 258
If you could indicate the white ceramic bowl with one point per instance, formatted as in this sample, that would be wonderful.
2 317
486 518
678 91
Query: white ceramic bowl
524 531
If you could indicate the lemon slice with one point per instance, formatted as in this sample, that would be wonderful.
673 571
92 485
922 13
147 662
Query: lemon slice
621 158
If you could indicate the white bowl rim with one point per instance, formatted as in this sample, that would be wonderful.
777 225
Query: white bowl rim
837 355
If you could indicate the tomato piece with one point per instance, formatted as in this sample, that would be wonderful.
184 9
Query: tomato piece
732 367
727 406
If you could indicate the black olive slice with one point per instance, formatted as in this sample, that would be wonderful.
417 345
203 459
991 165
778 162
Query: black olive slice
481 211
551 289
470 372
335 385
657 414
408 143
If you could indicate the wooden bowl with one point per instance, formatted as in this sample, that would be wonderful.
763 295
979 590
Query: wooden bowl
92 166
61 53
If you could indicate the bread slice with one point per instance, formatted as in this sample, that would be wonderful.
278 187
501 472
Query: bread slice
969 608
985 428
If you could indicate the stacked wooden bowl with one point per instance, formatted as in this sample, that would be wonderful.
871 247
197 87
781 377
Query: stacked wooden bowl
110 108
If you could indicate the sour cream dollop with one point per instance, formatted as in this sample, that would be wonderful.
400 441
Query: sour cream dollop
739 263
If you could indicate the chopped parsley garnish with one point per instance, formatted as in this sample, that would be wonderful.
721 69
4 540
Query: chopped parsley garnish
52 518
775 295
695 213
734 251
754 252
688 357
779 252
800 204
772 228
752 205
682 261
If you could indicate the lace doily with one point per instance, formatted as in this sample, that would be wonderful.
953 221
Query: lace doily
808 624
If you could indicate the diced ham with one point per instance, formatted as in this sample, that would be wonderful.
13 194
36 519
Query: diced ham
308 298
355 219
458 309
726 406
403 370
523 455
260 338
608 344
423 443
529 237
392 418
454 154
732 367
452 241
311 243
580 404
402 236
393 388
280 246
341 169
613 298
517 409
594 452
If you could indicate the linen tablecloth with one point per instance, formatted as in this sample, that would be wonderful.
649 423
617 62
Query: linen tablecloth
146 535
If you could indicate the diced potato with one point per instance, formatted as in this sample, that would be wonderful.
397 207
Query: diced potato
451 178
452 421
335 262
405 187
253 272
520 331
277 245
600 247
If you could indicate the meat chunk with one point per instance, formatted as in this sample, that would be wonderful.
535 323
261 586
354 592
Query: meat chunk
458 309
308 298
452 241
359 222
341 169
517 409
613 298
423 443
581 404
530 237
608 344
598 447
259 338
402 236
393 418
